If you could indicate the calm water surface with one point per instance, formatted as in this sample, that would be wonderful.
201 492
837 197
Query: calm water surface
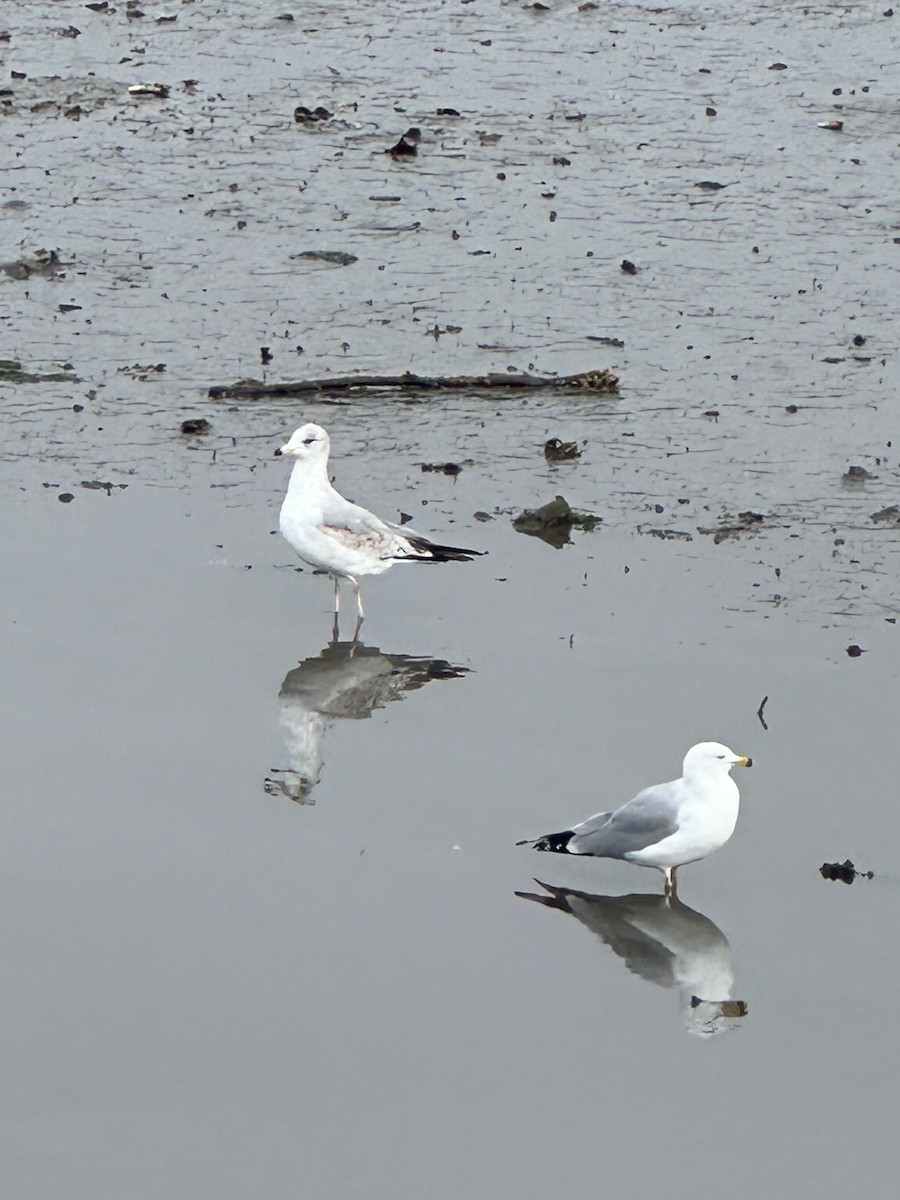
261 930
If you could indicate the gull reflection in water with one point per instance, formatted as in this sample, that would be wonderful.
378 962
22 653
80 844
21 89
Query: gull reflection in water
665 942
347 680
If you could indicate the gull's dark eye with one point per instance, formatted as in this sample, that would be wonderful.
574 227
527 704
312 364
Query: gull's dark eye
720 756
308 441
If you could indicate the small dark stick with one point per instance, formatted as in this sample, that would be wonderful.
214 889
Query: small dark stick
759 712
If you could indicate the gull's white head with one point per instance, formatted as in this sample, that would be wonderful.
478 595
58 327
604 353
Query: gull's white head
712 758
309 443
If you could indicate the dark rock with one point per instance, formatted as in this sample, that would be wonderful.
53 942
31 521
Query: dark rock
408 145
196 425
891 515
857 475
554 522
846 872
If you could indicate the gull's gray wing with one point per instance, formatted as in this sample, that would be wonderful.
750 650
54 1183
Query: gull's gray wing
356 528
651 816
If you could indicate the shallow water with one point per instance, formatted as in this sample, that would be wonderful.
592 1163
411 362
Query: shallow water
212 988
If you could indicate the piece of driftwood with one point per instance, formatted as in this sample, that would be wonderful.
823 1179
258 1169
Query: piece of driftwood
590 381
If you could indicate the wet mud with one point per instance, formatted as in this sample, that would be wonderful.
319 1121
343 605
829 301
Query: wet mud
346 997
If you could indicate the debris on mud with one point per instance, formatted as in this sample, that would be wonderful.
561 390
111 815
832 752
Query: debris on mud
602 380
338 258
98 485
558 451
834 126
446 468
846 872
65 497
158 90
482 516
11 371
889 515
628 267
43 262
731 528
408 144
196 425
710 185
855 651
616 343
667 535
137 371
857 475
308 116
553 522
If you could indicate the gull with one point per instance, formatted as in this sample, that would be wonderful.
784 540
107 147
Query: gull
340 538
665 943
665 826
347 680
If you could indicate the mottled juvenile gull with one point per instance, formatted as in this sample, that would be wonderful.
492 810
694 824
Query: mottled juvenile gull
667 825
343 539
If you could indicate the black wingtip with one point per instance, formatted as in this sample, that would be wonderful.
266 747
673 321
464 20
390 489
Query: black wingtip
438 553
556 843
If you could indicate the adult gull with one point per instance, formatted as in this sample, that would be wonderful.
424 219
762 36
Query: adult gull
665 826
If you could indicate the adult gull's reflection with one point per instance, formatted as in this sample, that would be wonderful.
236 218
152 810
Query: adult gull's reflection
347 680
665 942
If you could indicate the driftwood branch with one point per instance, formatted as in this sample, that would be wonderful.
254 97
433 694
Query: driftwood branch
590 381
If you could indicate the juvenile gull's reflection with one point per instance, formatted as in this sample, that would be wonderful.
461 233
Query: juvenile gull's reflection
347 680
665 942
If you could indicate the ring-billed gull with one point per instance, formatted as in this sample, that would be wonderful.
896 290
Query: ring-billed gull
343 539
665 942
665 826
